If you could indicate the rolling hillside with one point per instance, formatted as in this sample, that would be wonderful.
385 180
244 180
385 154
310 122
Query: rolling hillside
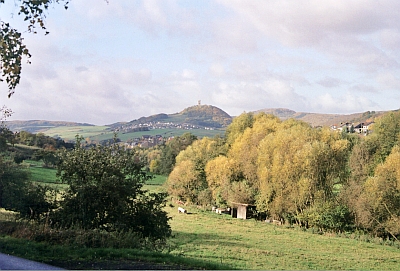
37 126
201 120
317 119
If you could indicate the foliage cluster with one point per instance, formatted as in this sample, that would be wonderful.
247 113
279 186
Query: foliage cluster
18 194
313 177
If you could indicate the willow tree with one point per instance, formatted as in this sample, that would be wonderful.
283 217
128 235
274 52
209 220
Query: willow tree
221 173
299 166
238 126
188 178
387 133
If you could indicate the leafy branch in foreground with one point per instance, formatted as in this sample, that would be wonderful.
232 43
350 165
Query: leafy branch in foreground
12 48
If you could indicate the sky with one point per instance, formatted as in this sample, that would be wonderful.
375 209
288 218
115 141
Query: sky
119 60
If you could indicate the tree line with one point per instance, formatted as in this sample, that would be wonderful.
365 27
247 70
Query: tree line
313 177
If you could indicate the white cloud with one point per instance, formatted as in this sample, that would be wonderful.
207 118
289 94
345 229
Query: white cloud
344 30
270 93
104 63
311 21
217 70
330 82
347 103
389 80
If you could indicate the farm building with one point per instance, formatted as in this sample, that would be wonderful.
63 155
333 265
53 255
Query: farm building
241 210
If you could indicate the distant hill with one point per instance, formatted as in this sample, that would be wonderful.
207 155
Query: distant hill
37 126
317 119
206 115
199 115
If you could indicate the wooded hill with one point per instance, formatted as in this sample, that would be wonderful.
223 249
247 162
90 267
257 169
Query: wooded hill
198 115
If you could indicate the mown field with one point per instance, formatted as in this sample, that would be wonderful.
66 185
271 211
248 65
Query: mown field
203 239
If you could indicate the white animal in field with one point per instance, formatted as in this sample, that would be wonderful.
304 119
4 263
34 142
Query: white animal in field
181 210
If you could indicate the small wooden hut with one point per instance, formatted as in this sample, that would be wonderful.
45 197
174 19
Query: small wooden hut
240 210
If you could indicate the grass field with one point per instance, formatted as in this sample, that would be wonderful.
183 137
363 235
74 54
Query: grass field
248 244
99 133
69 132
208 240
163 132
40 174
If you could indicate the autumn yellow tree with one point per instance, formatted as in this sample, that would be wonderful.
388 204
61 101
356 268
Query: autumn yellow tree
238 126
221 172
188 178
381 198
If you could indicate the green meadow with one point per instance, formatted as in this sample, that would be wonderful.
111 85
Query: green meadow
39 173
206 240
99 133
69 132
250 244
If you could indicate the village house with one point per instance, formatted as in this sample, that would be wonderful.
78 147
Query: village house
361 128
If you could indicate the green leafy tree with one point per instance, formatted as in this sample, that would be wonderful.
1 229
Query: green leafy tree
6 136
106 192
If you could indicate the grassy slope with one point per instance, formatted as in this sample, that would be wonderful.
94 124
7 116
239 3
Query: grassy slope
206 239
257 245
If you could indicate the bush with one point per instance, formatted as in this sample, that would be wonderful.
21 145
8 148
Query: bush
328 216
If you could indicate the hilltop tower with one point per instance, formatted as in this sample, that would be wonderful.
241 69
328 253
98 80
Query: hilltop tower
199 102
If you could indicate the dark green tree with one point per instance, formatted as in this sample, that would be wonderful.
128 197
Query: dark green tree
171 151
106 192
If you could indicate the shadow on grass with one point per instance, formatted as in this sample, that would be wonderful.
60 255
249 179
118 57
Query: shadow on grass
101 258
191 243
